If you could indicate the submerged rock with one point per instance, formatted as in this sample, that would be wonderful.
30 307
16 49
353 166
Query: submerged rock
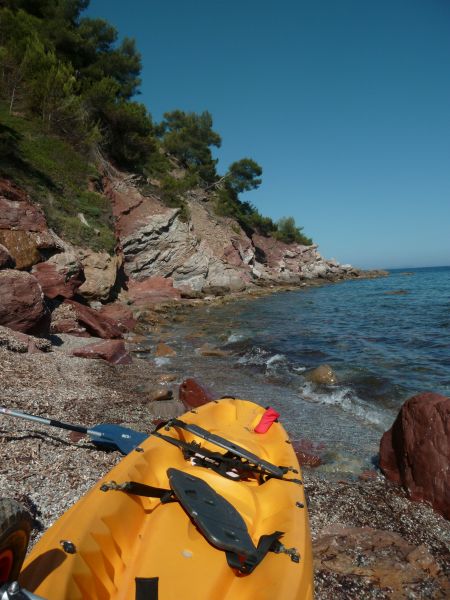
163 349
210 350
382 559
323 375
415 452
308 453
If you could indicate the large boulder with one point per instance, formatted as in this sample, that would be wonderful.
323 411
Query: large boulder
78 319
152 290
61 275
100 271
415 452
121 314
22 305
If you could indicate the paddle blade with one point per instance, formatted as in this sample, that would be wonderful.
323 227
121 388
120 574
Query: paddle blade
114 436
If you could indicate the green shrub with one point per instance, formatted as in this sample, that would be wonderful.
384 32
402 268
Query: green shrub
288 232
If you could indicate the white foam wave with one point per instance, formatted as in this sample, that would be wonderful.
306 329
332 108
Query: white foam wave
235 337
161 360
276 358
348 401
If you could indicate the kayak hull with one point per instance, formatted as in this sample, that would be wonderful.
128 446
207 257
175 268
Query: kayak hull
114 539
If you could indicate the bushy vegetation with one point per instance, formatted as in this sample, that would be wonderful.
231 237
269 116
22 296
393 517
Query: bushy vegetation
57 176
69 84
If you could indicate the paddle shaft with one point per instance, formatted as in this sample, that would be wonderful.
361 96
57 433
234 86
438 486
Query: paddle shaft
51 422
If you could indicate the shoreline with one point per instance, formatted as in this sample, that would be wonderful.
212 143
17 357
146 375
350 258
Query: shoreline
173 307
48 471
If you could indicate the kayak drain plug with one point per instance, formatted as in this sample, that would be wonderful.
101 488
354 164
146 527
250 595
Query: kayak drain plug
68 547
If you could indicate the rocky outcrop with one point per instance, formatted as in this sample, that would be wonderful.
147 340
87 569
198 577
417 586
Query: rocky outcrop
208 254
415 452
22 306
100 272
61 275
23 228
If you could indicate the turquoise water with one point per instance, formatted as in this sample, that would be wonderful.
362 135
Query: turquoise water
386 339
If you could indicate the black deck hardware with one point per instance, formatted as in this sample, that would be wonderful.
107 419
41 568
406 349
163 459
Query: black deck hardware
229 446
139 489
146 588
220 522
216 518
228 465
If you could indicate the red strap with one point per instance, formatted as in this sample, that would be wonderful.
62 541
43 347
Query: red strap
269 416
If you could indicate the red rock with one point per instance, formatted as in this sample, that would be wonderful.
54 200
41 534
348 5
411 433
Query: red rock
61 275
94 322
23 228
113 351
16 341
415 452
131 209
152 290
193 394
16 211
121 314
22 306
368 475
384 559
308 453
6 260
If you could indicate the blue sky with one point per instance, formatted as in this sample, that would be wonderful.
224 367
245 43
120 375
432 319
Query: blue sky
344 103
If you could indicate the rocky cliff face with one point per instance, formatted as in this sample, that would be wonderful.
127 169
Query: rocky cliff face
207 254
161 256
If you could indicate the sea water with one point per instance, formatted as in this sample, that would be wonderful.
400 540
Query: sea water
386 339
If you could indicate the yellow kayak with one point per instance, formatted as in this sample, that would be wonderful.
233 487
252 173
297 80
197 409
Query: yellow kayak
204 509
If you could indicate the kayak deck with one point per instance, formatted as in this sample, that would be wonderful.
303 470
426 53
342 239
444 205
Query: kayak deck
122 542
